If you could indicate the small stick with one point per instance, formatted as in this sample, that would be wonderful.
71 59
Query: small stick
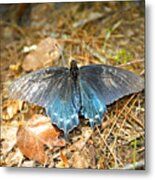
137 165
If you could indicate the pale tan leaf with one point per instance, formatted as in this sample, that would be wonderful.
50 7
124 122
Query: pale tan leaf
8 137
14 158
79 160
46 54
10 108
86 133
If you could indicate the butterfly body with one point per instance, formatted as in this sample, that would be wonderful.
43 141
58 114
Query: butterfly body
67 93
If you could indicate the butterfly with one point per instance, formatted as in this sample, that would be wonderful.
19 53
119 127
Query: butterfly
67 93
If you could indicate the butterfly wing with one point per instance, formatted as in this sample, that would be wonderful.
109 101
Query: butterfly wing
38 87
101 85
93 107
53 89
111 83
62 110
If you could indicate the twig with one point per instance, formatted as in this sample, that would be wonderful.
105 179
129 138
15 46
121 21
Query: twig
16 27
137 61
117 116
92 51
137 165
136 120
103 141
92 17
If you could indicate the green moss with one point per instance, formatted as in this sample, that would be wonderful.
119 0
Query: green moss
123 56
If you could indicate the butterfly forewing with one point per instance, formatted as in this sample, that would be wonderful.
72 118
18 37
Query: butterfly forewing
38 87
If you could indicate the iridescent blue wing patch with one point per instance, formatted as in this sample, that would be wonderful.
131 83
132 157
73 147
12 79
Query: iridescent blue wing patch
110 83
93 106
63 110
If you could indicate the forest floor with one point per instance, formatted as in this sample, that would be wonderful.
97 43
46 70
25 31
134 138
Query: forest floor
99 33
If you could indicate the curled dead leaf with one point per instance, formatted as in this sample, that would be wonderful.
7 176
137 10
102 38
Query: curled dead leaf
79 160
15 68
14 158
10 108
34 135
46 54
8 138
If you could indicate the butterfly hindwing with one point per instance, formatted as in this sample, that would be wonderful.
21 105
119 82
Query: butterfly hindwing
111 83
93 107
62 109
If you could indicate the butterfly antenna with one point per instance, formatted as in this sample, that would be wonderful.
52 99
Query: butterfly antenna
63 61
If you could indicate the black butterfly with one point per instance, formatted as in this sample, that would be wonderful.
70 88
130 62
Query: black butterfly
67 93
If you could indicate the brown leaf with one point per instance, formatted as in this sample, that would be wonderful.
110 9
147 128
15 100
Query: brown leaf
64 159
46 54
36 133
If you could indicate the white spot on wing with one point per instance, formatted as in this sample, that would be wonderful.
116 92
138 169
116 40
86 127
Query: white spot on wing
109 82
101 109
73 116
34 88
61 119
91 120
55 114
110 70
97 116
68 121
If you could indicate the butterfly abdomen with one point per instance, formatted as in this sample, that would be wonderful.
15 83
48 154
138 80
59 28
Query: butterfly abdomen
76 96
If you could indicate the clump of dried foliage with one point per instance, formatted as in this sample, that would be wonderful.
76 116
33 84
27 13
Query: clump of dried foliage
99 32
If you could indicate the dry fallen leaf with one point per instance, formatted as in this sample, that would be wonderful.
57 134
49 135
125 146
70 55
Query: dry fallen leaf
8 138
86 133
79 160
10 108
46 54
28 163
36 133
14 158
81 157
15 68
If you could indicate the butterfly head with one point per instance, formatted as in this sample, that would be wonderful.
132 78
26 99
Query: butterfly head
74 71
73 64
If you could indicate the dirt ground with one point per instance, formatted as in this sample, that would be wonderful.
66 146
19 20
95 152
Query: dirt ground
99 33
